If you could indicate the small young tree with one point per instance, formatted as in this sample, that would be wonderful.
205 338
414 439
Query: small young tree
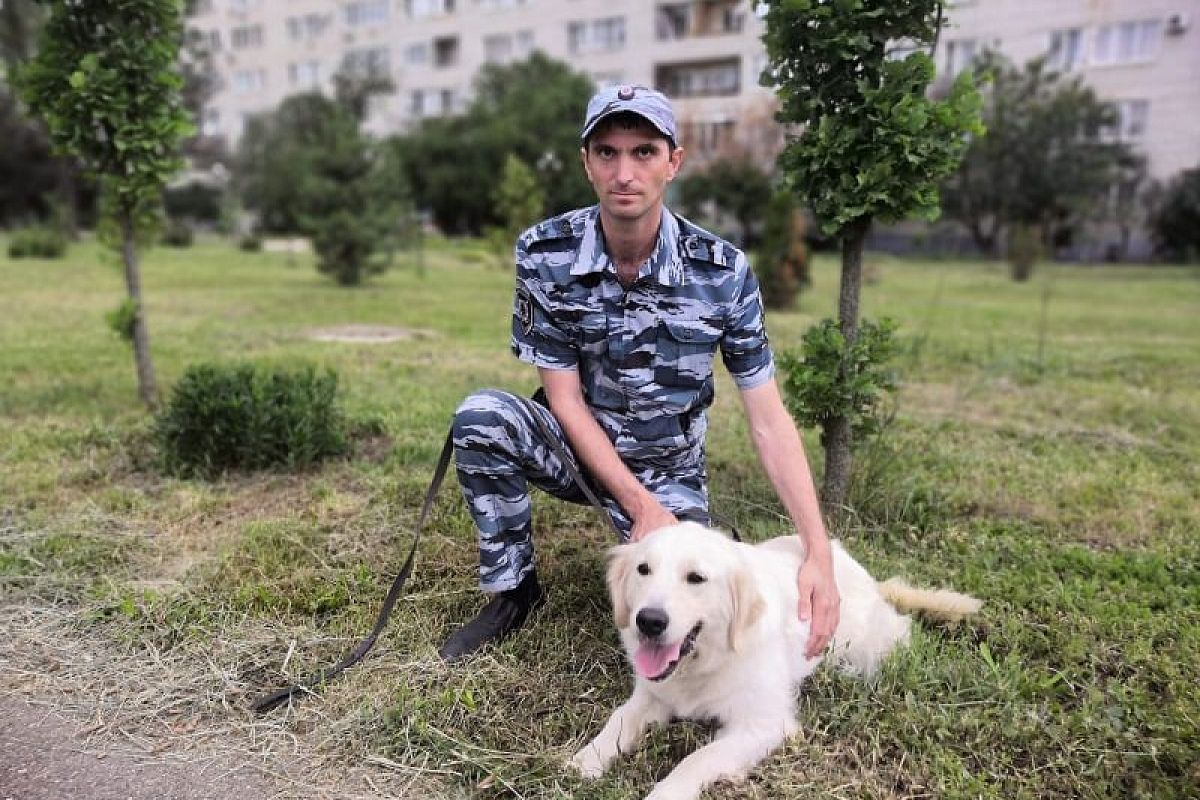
1042 164
519 201
874 145
106 81
782 262
1175 218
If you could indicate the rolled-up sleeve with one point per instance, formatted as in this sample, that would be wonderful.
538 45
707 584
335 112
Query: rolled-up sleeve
537 338
744 347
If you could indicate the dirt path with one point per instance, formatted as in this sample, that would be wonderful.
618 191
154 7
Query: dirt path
46 757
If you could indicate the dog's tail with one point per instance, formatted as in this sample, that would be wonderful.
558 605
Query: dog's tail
939 604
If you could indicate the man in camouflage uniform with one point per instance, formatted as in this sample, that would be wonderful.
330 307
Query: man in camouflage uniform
622 308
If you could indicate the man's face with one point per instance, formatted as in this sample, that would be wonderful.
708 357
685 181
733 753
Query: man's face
630 170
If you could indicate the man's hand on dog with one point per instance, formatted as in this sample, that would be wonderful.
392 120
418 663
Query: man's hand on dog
649 521
819 601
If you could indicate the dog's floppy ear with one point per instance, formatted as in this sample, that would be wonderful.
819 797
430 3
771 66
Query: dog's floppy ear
747 605
619 564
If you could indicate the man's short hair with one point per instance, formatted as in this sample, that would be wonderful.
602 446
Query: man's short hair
626 121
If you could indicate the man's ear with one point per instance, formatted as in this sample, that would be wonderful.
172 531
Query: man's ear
583 157
747 606
676 163
619 564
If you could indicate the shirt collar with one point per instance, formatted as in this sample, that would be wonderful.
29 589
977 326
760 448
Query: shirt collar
665 263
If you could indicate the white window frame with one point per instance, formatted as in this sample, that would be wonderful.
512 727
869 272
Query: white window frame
1127 42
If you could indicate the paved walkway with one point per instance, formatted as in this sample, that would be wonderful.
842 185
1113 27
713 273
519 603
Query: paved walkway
42 757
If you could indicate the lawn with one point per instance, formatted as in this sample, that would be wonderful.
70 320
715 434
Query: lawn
1044 455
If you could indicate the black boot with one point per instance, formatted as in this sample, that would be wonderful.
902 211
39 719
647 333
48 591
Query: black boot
504 613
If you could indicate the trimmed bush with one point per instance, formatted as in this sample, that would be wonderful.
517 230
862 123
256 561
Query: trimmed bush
37 243
250 243
178 234
243 417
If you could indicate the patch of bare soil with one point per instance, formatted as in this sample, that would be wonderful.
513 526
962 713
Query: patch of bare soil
366 334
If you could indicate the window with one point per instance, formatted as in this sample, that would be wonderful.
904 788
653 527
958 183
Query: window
202 7
428 8
244 5
366 12
672 21
1126 42
1065 52
959 55
498 49
246 81
1132 117
416 104
246 36
524 43
210 124
496 4
707 137
373 61
596 35
416 55
445 51
305 74
706 79
307 27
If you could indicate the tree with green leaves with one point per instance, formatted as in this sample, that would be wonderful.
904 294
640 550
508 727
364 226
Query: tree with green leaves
106 81
874 145
307 168
1175 217
530 109
1041 166
520 203
734 186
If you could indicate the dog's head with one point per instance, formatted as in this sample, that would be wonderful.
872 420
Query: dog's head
682 591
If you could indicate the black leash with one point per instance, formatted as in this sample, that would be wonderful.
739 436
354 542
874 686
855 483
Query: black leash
275 699
271 701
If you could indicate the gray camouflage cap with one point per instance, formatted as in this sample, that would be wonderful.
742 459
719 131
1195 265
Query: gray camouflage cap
647 103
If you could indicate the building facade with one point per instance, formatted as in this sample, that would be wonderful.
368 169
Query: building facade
1143 55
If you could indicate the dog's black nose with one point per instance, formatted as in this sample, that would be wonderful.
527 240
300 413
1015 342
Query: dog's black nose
652 621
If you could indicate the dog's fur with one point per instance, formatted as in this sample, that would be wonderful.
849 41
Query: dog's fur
731 644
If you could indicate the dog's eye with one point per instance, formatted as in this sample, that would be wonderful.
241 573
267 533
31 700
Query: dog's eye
695 577
643 568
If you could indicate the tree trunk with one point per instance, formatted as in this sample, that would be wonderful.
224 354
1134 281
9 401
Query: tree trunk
837 436
147 388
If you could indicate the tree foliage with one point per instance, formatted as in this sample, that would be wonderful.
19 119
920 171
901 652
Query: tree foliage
874 144
1175 218
782 262
532 109
307 168
736 187
1045 158
105 79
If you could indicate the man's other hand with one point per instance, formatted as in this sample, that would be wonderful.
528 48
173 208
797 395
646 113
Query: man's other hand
819 602
654 516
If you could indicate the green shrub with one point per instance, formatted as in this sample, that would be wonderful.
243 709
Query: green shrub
243 416
178 234
250 243
37 243
817 388
1175 218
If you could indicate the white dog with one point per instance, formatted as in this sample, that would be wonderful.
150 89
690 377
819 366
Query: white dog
711 628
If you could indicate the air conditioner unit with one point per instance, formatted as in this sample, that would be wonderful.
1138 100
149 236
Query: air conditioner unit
1177 24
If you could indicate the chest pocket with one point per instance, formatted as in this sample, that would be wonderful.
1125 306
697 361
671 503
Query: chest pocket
684 353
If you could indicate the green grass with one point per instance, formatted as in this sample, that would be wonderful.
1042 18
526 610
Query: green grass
1048 463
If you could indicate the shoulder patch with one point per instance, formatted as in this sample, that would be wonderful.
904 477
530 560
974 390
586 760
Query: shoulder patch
703 248
548 230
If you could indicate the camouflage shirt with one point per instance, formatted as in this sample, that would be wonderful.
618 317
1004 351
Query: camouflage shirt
644 354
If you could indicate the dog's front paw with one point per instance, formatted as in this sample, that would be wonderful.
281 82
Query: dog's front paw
588 762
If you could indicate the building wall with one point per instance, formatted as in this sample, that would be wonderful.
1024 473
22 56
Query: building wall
1159 88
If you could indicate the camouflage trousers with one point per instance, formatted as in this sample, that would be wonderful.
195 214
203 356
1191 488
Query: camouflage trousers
499 452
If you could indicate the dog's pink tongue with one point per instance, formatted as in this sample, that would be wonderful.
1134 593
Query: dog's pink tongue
652 660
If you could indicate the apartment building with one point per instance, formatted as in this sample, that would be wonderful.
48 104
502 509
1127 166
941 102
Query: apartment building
706 55
1144 55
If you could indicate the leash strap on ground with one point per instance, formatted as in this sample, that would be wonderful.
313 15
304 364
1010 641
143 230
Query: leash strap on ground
271 701
275 699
